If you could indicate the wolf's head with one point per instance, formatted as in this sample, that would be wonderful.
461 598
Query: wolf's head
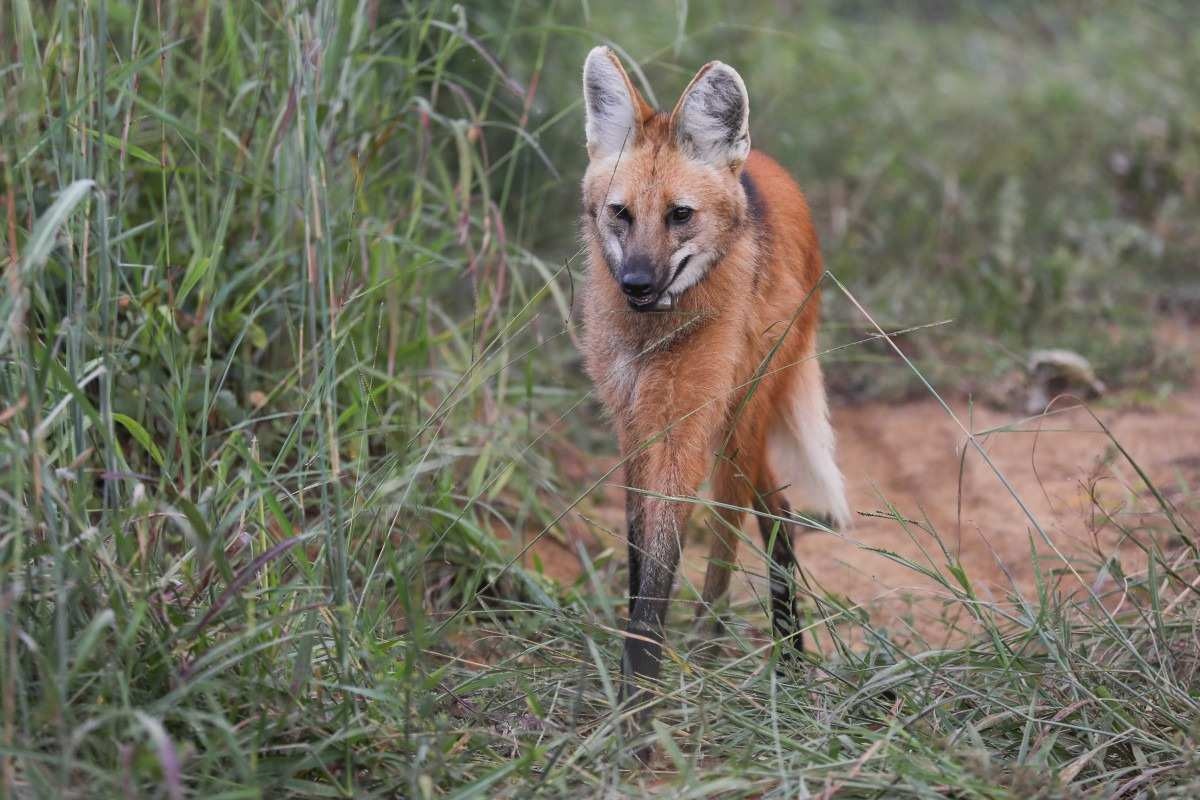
662 196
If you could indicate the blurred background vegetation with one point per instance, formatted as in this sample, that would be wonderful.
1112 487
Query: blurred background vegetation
287 373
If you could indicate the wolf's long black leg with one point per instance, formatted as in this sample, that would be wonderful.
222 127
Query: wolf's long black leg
674 468
641 661
777 540
643 647
633 519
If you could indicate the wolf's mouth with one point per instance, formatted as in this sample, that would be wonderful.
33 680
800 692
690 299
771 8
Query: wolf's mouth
660 300
643 303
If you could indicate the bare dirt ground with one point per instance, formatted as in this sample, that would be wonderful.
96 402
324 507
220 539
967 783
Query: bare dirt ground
908 458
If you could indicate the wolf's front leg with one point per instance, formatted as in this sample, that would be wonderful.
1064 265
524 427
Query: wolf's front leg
652 564
633 524
674 468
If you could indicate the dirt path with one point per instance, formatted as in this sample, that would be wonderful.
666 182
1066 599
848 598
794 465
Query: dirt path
909 455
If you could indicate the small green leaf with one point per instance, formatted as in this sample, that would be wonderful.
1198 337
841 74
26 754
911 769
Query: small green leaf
143 437
195 271
87 640
42 241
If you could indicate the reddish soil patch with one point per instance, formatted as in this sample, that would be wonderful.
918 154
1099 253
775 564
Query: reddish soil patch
1067 474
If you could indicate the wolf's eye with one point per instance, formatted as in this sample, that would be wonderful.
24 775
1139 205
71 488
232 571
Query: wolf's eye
680 214
621 212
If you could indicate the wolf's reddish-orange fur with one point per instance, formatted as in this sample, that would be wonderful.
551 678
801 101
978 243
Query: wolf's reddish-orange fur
695 392
683 385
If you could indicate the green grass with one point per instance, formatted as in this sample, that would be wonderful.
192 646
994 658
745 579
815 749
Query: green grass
287 378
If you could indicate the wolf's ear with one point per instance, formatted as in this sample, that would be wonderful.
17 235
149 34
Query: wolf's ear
711 121
615 109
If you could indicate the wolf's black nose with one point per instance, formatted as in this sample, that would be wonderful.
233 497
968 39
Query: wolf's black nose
637 284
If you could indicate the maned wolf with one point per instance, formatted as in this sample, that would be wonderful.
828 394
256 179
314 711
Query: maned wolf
701 313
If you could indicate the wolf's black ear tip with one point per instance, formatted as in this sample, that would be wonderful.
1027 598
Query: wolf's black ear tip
599 51
593 65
